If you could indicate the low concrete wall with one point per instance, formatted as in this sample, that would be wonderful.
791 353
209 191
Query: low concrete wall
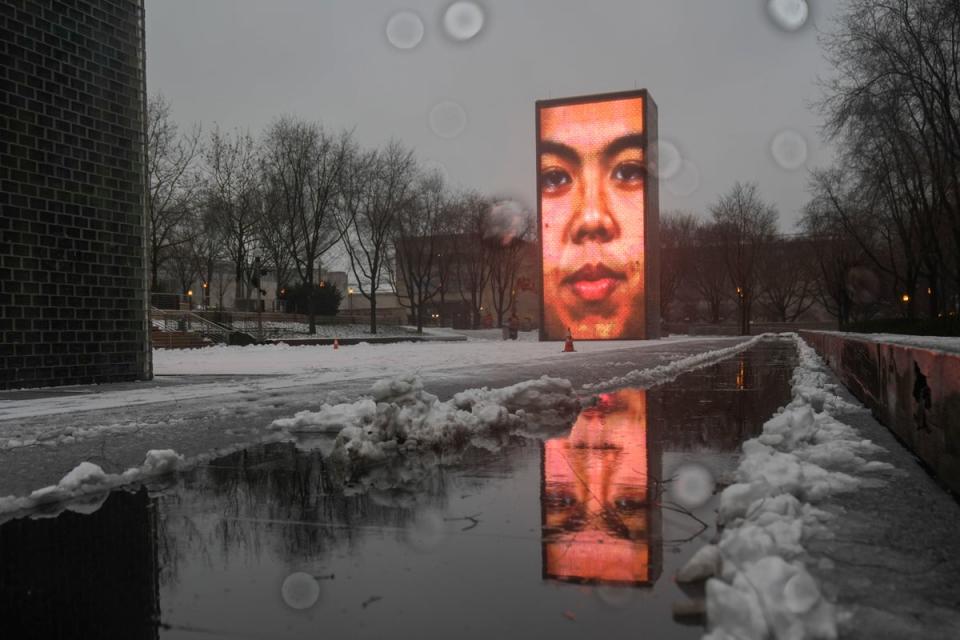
915 391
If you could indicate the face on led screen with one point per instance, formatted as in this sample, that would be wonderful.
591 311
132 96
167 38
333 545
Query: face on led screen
591 189
596 495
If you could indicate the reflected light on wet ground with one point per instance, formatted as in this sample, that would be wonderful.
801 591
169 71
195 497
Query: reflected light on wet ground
575 535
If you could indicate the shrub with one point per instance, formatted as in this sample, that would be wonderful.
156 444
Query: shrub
326 301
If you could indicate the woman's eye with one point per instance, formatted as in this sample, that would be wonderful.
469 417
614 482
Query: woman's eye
553 180
630 172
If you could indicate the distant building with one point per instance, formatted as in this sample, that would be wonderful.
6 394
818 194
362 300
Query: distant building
73 305
451 304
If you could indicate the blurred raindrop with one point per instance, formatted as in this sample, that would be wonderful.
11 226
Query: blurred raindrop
789 149
508 219
668 160
617 596
426 532
686 181
435 167
300 590
789 15
463 20
404 30
447 119
692 485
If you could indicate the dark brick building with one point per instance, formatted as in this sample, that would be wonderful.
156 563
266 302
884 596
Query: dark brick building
73 305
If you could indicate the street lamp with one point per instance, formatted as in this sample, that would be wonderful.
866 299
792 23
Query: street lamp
905 297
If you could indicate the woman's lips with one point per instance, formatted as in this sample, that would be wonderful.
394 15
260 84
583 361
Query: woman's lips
592 283
594 290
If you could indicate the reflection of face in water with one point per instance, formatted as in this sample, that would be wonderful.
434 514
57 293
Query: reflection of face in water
596 495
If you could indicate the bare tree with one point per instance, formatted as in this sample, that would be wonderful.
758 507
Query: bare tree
172 182
746 225
788 278
234 199
417 236
303 166
473 262
184 269
678 237
839 255
893 108
709 271
273 239
377 187
207 251
509 230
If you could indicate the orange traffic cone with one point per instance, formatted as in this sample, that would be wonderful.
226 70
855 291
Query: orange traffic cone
336 344
568 345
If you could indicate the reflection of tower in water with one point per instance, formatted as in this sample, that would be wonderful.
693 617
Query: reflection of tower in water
598 496
82 574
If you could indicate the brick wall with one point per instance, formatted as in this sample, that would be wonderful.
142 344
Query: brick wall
72 272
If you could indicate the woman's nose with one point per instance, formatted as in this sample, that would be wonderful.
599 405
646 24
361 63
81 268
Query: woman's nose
593 220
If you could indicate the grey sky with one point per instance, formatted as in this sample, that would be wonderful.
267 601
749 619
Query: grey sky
726 80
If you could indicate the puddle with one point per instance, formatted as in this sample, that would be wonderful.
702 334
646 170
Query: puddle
578 535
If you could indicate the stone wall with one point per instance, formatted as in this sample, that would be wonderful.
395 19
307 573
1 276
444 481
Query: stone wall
72 273
913 390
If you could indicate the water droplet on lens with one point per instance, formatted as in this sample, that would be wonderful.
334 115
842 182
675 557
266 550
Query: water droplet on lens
668 160
686 181
692 485
789 15
618 596
448 119
435 167
404 30
789 149
463 20
426 532
300 590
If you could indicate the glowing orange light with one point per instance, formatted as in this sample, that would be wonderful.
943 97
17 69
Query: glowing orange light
905 297
593 239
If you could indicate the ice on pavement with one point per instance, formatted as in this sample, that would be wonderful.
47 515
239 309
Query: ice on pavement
399 413
761 587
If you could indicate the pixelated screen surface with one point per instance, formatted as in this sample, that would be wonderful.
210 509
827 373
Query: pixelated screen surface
596 495
592 156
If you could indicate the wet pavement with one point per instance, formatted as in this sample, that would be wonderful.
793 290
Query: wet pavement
195 422
575 536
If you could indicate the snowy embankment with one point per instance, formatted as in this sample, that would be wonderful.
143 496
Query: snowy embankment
758 586
400 415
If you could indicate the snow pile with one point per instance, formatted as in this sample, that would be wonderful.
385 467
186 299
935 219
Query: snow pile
666 372
758 586
88 478
400 414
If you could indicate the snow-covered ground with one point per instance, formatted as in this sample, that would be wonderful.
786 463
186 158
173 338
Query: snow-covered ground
758 583
286 366
230 369
239 386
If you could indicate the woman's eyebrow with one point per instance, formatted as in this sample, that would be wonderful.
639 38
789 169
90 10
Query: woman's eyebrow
566 152
628 141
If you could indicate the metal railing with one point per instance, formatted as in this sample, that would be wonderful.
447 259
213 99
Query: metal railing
183 320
